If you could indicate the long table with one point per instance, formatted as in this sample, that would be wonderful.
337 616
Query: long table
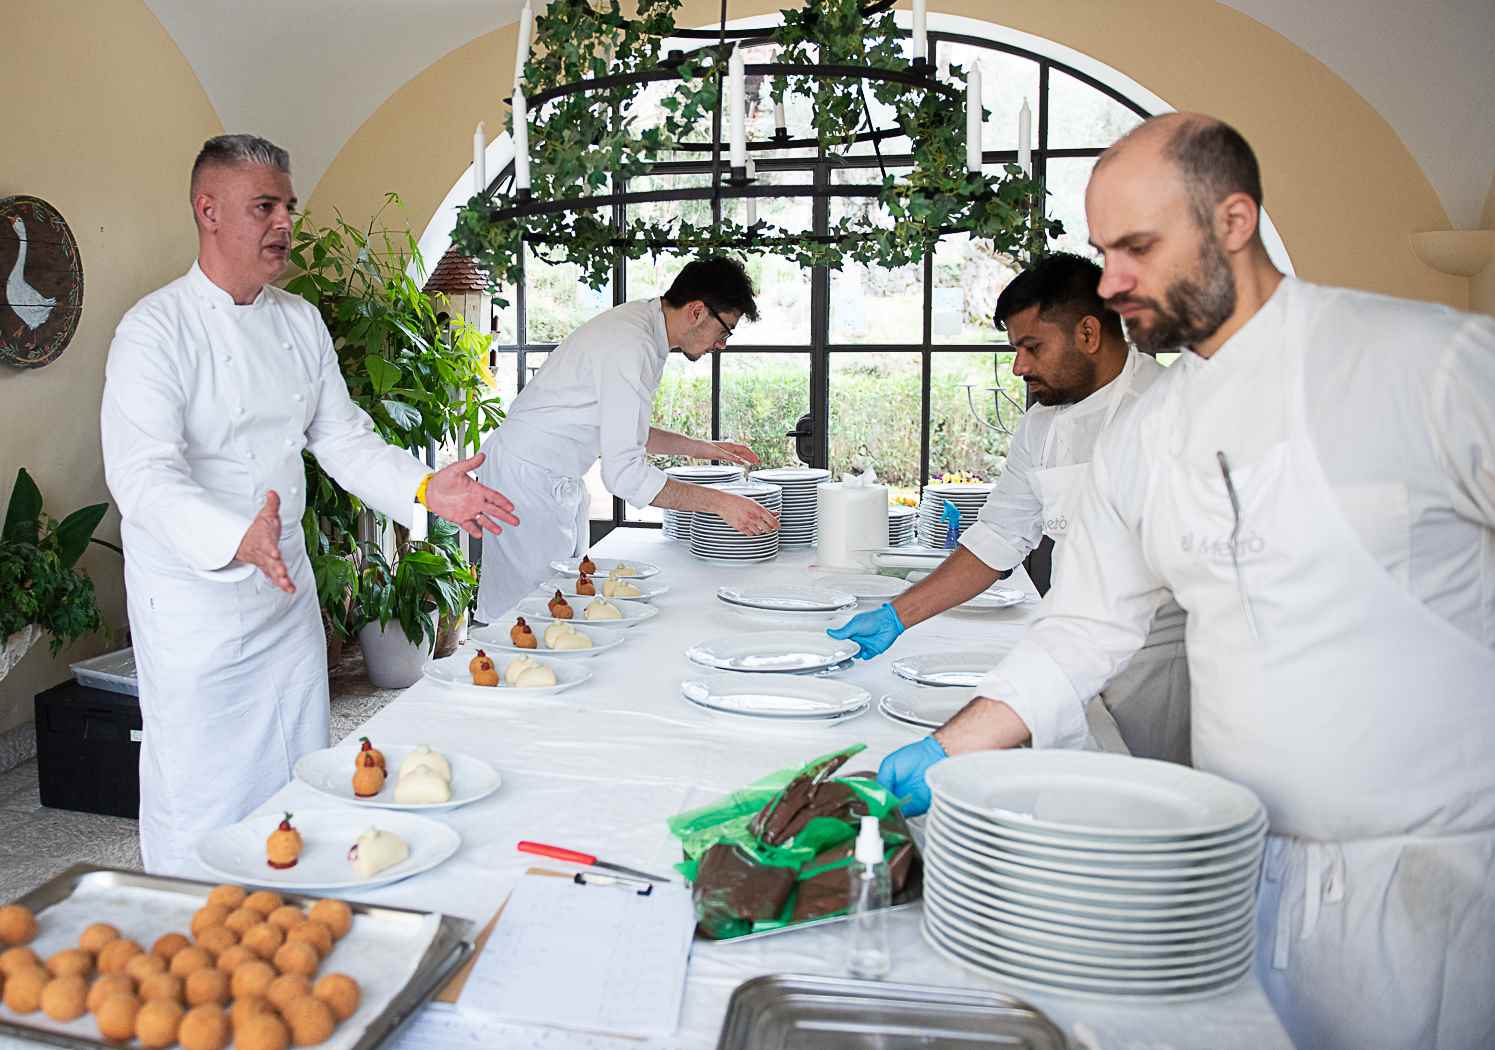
601 767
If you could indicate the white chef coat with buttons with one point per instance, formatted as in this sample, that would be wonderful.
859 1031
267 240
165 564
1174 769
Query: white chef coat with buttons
593 398
1340 588
207 406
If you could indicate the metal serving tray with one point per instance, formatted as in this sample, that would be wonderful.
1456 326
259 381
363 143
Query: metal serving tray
449 949
796 1012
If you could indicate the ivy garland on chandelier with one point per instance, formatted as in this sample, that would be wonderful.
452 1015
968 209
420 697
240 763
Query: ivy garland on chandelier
584 80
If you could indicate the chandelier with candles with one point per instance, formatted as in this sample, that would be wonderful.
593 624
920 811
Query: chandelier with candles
599 105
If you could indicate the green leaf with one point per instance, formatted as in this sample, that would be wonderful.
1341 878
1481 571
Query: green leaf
23 517
383 374
76 530
402 414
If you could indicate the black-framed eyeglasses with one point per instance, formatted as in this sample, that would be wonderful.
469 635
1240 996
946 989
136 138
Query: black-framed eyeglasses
727 329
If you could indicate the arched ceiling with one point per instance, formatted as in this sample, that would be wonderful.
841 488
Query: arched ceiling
308 75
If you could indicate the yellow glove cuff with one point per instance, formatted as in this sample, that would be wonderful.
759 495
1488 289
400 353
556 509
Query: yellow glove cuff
420 491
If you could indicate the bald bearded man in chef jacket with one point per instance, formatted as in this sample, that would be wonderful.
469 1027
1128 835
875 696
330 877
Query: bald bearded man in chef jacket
213 387
1314 481
593 400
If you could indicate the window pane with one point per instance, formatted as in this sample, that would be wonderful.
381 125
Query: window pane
763 396
558 302
957 440
1006 80
968 277
683 403
600 501
1081 117
1067 178
875 416
872 304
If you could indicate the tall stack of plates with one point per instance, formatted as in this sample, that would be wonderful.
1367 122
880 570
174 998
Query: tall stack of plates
968 497
677 522
713 539
1092 874
900 525
801 510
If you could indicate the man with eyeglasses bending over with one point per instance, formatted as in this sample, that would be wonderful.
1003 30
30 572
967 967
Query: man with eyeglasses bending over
1325 514
594 398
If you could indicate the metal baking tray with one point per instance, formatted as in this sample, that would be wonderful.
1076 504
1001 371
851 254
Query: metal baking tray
798 1012
449 949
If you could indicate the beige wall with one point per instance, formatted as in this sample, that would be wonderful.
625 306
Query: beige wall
1482 284
1340 185
103 119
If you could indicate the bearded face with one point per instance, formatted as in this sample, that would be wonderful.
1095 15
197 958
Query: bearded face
1193 305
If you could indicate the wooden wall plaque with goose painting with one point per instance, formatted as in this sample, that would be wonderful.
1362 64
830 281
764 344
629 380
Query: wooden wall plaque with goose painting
43 273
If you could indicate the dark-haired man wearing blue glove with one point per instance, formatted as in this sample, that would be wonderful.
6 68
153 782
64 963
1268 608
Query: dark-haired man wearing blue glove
1073 356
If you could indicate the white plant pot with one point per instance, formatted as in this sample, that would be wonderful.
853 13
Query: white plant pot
389 657
15 647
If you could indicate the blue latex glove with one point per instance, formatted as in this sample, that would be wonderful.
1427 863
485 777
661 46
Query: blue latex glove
874 631
903 771
951 517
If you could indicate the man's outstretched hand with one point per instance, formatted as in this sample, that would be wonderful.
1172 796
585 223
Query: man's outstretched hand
472 506
260 546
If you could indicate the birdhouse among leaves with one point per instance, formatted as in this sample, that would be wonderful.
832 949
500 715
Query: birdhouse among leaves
43 294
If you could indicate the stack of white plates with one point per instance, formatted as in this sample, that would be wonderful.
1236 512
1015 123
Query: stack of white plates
968 498
677 522
713 539
797 521
1092 874
900 525
776 701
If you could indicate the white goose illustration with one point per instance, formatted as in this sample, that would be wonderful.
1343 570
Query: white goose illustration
30 306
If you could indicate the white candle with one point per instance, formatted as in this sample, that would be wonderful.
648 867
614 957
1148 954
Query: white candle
736 72
1025 139
521 142
418 523
921 40
521 52
479 159
751 202
779 122
973 119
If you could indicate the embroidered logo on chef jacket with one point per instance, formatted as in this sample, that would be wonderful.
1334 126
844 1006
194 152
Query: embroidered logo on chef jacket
1217 549
1056 526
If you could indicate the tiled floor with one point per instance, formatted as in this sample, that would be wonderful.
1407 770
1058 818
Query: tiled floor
37 843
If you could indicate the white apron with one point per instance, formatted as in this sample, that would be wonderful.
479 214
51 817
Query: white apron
1363 720
233 688
1149 698
553 523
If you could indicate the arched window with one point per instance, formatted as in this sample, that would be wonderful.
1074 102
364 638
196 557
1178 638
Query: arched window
891 366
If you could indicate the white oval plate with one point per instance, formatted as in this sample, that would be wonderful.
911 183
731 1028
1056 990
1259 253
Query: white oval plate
788 621
634 612
996 596
960 668
777 696
772 651
452 672
926 705
787 599
866 585
496 639
776 725
570 567
237 853
1094 793
567 586
330 771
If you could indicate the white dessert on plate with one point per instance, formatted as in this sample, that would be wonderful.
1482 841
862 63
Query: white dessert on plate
376 850
622 569
602 609
525 672
422 786
612 588
432 760
561 635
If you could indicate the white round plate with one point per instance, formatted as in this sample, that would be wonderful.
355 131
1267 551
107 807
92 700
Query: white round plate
1094 793
452 672
958 668
776 725
756 559
495 639
634 613
702 473
567 586
772 651
788 620
996 596
866 585
926 705
569 567
922 728
237 853
777 696
330 771
788 599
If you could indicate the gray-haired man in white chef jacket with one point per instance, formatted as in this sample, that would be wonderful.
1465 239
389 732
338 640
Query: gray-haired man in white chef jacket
214 386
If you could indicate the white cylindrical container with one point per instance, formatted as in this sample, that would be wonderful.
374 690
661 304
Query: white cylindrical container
852 519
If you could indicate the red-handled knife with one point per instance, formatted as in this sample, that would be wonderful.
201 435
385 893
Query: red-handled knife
570 856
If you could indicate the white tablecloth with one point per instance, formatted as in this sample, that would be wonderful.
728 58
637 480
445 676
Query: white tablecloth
601 767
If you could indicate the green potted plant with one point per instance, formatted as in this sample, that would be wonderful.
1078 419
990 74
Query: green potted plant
42 591
421 378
